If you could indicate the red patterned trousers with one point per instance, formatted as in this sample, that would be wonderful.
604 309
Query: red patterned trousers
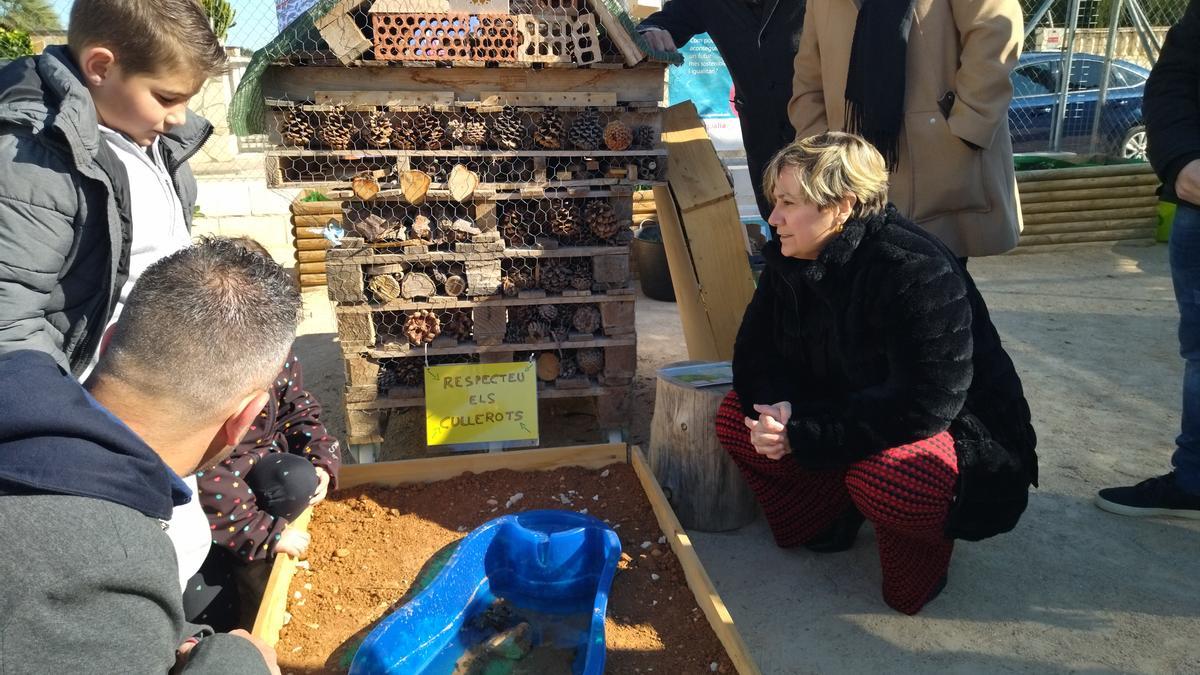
904 491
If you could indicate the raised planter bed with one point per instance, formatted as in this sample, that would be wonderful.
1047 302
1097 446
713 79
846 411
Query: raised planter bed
398 515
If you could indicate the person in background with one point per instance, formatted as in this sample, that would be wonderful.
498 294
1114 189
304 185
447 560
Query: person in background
285 463
869 382
927 83
101 133
757 39
1172 111
89 478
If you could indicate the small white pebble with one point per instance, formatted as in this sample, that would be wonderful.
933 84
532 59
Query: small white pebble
314 626
654 577
301 603
463 528
308 587
595 498
646 544
604 473
303 564
662 540
297 648
514 499
653 603
492 502
287 618
617 526
583 511
713 666
495 509
297 595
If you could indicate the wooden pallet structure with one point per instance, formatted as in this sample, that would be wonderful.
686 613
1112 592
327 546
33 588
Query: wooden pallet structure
480 166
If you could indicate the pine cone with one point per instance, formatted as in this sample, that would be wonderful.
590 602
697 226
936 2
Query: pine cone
459 324
335 131
601 219
378 133
568 367
554 275
405 135
648 168
586 132
643 137
297 130
536 331
430 129
591 361
564 220
508 132
512 228
508 287
582 269
586 319
470 129
421 327
617 136
410 372
548 313
550 131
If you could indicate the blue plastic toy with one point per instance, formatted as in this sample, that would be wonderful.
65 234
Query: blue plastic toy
548 564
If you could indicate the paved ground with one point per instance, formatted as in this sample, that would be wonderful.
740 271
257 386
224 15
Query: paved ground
1072 589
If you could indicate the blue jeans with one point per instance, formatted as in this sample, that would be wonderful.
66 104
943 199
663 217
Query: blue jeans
1185 274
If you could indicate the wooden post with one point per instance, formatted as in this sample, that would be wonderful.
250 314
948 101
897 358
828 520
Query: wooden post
704 486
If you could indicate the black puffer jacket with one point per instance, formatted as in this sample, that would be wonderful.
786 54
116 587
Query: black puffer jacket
1172 102
881 341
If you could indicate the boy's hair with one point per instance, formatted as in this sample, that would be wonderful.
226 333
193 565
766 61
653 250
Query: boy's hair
253 245
204 327
149 37
830 166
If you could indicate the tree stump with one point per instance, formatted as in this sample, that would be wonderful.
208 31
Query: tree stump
417 285
384 287
704 486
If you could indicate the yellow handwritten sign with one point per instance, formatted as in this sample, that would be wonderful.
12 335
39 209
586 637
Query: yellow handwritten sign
481 403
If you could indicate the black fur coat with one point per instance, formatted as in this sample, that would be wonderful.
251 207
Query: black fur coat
884 340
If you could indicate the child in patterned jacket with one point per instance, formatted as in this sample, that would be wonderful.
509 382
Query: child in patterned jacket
286 462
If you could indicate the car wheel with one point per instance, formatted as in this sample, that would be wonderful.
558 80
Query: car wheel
1133 145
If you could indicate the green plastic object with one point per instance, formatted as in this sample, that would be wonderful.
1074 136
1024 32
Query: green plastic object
1166 216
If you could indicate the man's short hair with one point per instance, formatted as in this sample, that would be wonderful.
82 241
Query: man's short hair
204 327
149 37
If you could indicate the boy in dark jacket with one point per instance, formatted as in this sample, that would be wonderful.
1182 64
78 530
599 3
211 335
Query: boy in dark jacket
1172 110
286 463
101 134
88 479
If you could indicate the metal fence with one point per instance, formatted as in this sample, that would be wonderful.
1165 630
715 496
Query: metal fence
1104 47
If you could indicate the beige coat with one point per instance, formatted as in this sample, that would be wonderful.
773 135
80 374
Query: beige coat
966 197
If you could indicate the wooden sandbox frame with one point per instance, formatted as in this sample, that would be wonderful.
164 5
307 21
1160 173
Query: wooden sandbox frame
271 612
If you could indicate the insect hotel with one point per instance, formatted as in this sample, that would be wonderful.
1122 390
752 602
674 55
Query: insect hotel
485 154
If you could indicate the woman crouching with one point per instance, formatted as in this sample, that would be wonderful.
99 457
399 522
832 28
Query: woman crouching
868 379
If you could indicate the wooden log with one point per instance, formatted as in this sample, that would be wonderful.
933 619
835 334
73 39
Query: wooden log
1073 205
547 366
308 232
384 287
1084 172
455 285
1089 183
702 483
1091 225
1077 237
310 280
317 221
488 325
312 244
310 256
1087 193
310 268
1098 215
417 285
325 208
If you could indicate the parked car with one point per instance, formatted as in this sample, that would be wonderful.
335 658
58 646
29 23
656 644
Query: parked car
1031 115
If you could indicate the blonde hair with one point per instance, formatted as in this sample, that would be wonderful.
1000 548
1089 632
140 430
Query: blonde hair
829 167
149 37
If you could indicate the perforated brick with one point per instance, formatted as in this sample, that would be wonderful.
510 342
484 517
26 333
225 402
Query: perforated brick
495 38
422 37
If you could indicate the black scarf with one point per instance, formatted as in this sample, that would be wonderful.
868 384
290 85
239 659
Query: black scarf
875 81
